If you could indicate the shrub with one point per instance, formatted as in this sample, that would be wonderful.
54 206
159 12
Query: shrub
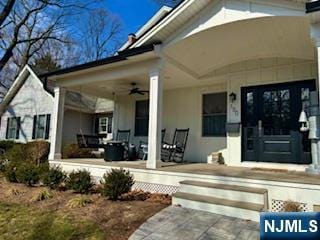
17 153
6 145
37 151
80 201
44 194
3 164
54 177
116 182
73 151
290 206
28 174
80 181
135 195
10 172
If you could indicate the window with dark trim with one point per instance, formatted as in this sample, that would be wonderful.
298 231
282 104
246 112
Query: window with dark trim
142 118
41 126
105 125
214 114
13 128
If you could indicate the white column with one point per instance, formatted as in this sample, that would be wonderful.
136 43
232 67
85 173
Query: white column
315 36
57 123
116 114
313 120
155 118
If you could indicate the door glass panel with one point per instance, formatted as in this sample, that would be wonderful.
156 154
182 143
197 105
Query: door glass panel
276 112
305 98
250 144
250 109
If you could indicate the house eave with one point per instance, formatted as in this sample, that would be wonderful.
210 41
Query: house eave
312 6
120 58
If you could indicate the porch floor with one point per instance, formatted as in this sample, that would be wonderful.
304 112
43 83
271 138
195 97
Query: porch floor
209 169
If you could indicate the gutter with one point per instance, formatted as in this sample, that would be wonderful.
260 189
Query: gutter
312 6
121 56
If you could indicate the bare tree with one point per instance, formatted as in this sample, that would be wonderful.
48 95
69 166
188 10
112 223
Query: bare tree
100 36
28 26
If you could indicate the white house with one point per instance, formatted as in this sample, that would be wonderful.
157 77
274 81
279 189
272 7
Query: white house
27 109
237 73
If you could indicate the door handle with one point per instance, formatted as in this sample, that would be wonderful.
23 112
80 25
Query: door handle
260 128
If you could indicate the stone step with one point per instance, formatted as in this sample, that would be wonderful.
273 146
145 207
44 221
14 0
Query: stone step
238 209
226 191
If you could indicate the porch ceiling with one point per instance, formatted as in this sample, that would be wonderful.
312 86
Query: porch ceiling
265 37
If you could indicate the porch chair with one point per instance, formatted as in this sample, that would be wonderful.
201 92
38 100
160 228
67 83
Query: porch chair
175 150
124 137
143 146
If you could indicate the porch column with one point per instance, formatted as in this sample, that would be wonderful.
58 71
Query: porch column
57 123
315 36
315 100
155 118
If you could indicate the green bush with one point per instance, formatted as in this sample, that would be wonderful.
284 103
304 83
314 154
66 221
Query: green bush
17 153
54 177
80 181
35 152
116 182
73 151
28 174
6 145
10 172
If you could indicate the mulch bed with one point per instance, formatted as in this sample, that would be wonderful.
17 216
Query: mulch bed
118 220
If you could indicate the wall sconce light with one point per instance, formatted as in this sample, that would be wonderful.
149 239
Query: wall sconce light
232 97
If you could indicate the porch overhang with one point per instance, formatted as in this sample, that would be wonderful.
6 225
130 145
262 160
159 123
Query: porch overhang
103 78
220 46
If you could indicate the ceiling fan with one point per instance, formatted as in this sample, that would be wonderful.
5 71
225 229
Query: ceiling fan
137 90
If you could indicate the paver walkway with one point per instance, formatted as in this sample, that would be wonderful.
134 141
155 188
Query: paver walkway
186 224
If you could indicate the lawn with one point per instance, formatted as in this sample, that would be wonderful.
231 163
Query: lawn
23 217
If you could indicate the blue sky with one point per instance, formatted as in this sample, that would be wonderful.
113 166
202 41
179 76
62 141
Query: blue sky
132 14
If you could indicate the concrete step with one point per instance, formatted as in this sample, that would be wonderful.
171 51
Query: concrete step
226 191
238 209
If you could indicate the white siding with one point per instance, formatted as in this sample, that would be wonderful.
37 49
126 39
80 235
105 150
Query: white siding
30 100
75 123
182 107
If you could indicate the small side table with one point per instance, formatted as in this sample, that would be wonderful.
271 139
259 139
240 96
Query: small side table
114 151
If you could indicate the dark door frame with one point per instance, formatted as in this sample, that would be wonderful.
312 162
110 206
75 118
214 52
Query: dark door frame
293 86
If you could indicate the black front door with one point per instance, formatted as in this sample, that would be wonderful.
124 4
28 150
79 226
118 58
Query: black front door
270 123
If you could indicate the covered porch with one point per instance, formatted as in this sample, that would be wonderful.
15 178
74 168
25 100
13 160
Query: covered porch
197 82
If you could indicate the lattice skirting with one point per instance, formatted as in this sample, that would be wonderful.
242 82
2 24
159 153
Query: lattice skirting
278 206
155 188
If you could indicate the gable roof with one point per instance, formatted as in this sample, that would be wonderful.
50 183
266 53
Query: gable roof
185 11
73 100
17 84
162 13
164 23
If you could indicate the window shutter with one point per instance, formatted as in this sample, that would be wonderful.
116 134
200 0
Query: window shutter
7 131
18 128
34 127
96 125
48 126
